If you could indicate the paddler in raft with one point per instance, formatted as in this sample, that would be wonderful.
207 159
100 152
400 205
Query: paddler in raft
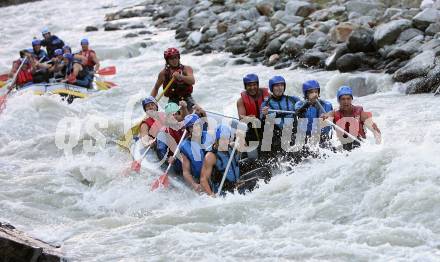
182 77
352 119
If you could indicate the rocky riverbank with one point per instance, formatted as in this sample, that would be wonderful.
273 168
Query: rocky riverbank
394 37
17 246
4 3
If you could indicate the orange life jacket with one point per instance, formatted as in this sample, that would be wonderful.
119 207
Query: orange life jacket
24 76
253 105
88 54
356 114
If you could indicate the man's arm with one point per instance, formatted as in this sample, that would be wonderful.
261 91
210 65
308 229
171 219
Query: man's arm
366 117
188 76
240 108
159 82
208 164
186 167
96 61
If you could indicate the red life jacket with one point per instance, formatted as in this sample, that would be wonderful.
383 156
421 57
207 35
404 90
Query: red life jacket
153 126
88 54
24 76
356 114
177 88
251 107
176 134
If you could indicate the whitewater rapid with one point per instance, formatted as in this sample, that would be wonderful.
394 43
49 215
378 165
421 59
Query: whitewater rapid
377 203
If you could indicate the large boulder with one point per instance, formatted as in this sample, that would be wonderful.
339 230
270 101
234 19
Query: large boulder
282 17
405 51
265 9
348 62
409 34
258 40
341 32
299 8
235 44
360 86
433 29
330 63
193 39
313 58
91 28
293 45
361 40
313 38
418 66
386 34
273 47
426 84
428 16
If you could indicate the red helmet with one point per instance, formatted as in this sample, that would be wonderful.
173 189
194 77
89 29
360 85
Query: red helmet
171 52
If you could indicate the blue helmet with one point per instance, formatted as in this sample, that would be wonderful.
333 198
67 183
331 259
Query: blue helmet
223 131
276 80
84 41
68 56
148 100
190 120
36 42
58 52
309 85
45 31
250 78
68 48
344 90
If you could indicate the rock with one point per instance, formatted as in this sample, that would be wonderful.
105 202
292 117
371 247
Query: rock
405 51
341 32
313 38
129 13
364 7
130 35
433 29
361 40
136 26
273 47
330 63
258 40
409 34
386 34
222 27
265 9
144 32
313 59
284 18
201 19
337 10
427 84
112 27
433 44
17 246
240 27
423 19
299 8
390 12
193 39
360 86
282 65
242 61
91 28
218 2
293 45
348 62
235 45
320 15
418 66
273 59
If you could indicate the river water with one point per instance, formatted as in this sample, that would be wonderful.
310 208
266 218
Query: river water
377 203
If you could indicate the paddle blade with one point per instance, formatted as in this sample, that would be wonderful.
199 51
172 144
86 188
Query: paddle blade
162 180
110 84
110 70
2 83
101 85
136 166
4 77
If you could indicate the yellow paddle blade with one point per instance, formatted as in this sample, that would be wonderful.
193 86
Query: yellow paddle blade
126 140
101 85
2 84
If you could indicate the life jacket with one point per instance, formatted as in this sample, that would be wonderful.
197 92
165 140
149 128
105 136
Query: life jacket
286 103
220 165
177 88
90 64
195 153
52 44
24 75
252 105
356 114
40 55
313 112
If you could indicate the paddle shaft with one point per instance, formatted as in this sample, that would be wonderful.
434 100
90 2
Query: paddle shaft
227 169
281 111
16 75
176 152
218 114
146 151
437 91
165 89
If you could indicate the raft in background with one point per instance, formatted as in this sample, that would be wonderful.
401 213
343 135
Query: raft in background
62 89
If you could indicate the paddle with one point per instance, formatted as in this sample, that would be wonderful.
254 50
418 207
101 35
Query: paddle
163 179
282 111
136 164
107 71
218 114
134 130
2 83
4 77
437 91
227 169
10 87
